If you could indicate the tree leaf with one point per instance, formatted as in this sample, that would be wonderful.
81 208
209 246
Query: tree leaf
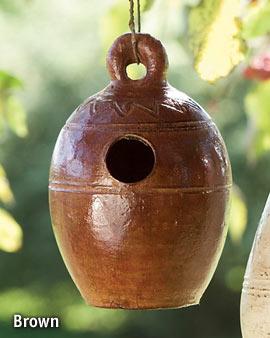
12 113
114 22
6 195
238 216
146 5
10 233
8 81
257 20
16 117
258 111
214 31
234 278
191 2
12 7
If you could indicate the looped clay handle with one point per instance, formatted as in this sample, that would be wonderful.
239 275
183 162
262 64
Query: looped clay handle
151 54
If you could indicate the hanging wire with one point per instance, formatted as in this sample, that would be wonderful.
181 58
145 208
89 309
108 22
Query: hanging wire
133 27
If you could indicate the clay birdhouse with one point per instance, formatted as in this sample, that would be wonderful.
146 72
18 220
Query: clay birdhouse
139 187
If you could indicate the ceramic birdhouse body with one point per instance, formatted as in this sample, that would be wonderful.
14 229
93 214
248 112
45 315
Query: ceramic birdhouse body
139 187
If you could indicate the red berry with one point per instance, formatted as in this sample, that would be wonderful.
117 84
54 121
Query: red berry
259 68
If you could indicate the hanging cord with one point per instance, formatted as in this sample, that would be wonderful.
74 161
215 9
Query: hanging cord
139 15
133 27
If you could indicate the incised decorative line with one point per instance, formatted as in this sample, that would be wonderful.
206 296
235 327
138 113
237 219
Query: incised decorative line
124 109
83 187
140 127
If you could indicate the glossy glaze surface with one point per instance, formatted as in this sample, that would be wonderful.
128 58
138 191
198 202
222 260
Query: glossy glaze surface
154 243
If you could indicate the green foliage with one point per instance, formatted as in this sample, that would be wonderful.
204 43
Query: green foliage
214 38
78 317
234 278
200 19
238 216
258 110
257 21
6 195
11 6
8 82
12 114
114 22
147 4
10 233
15 116
75 317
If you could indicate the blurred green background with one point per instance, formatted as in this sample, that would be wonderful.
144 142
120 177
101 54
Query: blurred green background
52 56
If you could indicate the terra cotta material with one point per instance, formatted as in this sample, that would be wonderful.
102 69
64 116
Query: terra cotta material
139 188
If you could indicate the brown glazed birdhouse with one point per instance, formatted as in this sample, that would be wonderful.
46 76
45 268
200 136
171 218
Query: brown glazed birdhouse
139 187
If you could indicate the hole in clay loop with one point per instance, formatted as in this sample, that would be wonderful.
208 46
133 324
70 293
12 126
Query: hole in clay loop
136 72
